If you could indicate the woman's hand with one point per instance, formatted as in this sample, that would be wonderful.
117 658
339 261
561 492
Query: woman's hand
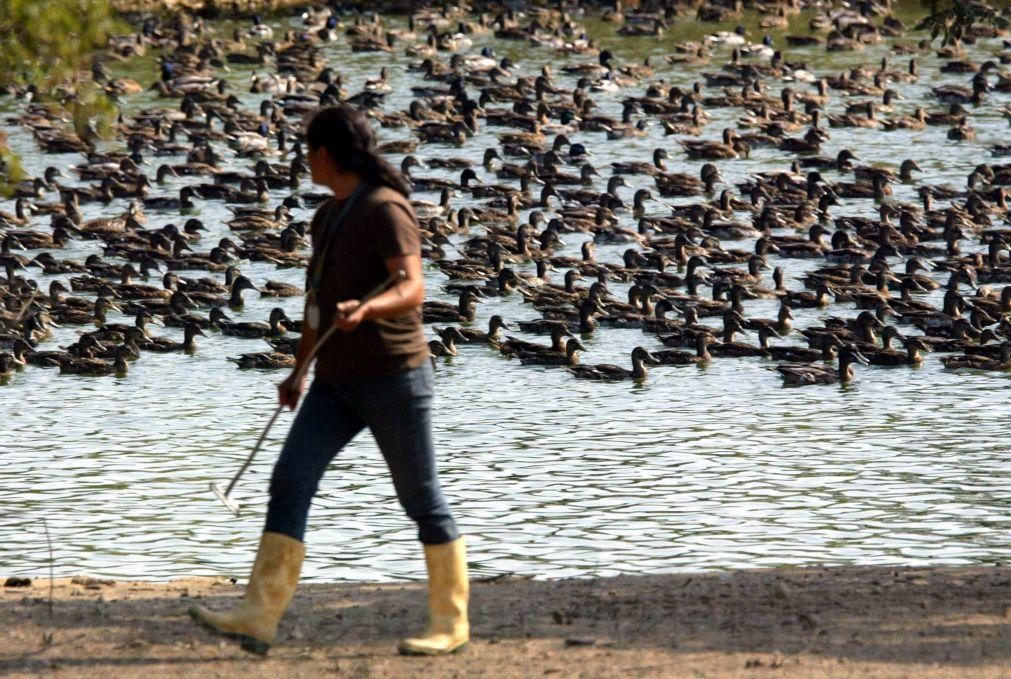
350 314
289 391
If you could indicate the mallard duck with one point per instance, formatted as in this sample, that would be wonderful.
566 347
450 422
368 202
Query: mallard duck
77 316
280 289
441 312
843 160
559 331
905 174
233 300
183 202
866 298
728 346
37 187
994 305
445 346
851 331
569 357
796 354
850 120
638 167
436 184
681 184
917 121
660 323
50 265
116 332
680 357
957 94
640 357
712 149
22 213
810 143
727 230
812 247
801 375
178 317
165 345
268 360
962 132
890 357
977 362
275 327
9 365
96 366
36 240
472 336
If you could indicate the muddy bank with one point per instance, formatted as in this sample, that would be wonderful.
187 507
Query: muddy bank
839 622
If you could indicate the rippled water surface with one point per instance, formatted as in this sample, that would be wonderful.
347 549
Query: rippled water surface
697 468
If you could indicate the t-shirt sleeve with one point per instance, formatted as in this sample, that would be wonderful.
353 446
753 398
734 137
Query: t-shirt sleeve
396 231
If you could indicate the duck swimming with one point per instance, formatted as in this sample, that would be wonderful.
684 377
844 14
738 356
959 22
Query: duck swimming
271 360
802 375
640 358
235 152
978 362
558 331
96 366
570 357
164 345
679 357
495 326
275 327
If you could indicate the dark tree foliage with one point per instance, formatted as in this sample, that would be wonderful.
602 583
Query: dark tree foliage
45 44
952 19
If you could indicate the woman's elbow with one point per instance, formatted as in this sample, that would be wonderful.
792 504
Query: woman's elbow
413 290
417 293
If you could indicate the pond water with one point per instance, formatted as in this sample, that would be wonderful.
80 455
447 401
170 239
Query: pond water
695 468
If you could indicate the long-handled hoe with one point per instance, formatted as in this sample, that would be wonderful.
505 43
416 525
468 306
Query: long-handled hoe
226 495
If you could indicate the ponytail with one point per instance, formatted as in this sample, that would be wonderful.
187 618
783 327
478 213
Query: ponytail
348 138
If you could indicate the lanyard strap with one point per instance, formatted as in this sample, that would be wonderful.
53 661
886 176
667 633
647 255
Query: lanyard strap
327 236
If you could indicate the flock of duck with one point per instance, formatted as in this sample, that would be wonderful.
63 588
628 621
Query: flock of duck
688 287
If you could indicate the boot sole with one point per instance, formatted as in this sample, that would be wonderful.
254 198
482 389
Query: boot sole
247 643
412 652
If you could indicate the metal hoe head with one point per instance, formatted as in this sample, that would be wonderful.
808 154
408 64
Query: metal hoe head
232 505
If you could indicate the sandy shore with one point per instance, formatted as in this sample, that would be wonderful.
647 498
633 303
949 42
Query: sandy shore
812 622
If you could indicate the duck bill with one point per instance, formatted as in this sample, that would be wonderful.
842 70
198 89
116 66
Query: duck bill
860 358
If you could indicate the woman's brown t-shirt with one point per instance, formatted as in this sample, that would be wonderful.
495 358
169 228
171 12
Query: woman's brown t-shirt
381 224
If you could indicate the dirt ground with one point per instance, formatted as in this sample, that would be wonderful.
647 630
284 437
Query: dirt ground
810 622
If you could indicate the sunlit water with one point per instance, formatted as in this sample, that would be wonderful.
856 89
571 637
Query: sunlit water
696 468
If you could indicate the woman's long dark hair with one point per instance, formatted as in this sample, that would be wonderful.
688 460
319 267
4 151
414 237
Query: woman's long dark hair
347 136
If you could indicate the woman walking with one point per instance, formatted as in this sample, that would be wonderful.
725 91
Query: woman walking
374 372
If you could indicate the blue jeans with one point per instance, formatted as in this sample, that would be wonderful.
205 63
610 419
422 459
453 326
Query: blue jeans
397 410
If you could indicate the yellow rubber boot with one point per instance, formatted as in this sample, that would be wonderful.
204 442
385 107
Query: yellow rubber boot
448 590
271 585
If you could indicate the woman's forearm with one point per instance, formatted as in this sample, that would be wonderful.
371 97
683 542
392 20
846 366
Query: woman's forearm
396 301
406 295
